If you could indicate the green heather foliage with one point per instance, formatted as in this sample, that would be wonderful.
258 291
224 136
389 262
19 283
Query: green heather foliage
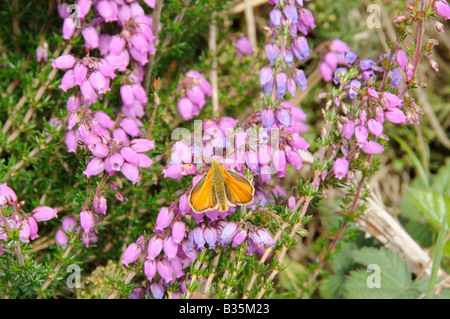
346 139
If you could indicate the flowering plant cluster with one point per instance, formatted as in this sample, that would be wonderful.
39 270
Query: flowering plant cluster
124 163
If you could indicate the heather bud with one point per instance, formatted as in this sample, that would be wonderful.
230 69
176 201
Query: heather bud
43 213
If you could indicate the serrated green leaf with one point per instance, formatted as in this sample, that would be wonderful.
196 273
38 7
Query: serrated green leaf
394 277
431 205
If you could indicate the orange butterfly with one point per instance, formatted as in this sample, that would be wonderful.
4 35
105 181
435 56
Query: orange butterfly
220 188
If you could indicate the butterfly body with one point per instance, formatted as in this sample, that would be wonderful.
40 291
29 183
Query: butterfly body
219 189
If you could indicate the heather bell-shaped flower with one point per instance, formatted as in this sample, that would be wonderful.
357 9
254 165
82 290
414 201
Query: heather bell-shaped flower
340 168
132 253
243 47
43 213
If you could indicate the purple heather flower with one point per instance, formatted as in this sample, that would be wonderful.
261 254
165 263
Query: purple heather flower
284 117
199 238
366 64
267 118
350 56
352 93
291 13
279 162
337 75
275 17
349 129
84 7
300 48
210 234
228 233
300 78
390 100
43 213
281 80
132 253
157 290
266 79
340 168
272 51
239 238
293 158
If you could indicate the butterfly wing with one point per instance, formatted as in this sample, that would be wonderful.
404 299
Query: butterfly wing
201 197
239 188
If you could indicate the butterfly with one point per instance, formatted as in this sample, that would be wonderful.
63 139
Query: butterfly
220 188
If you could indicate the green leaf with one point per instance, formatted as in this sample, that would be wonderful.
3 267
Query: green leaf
441 181
431 205
394 277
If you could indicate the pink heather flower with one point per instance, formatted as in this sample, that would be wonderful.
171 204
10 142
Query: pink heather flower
105 68
290 11
42 51
33 228
339 46
155 246
293 158
375 127
99 82
395 115
24 233
80 72
68 224
442 7
196 95
372 147
100 205
199 238
361 134
61 238
68 81
205 86
326 71
390 100
348 130
165 270
139 93
173 171
87 221
131 172
340 168
150 269
279 162
186 108
132 253
64 62
239 238
95 167
170 247
178 231
105 9
129 155
401 59
91 38
104 120
84 7
243 46
68 28
98 149
88 91
126 92
284 117
142 145
43 213
164 219
116 161
130 126
184 209
298 142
